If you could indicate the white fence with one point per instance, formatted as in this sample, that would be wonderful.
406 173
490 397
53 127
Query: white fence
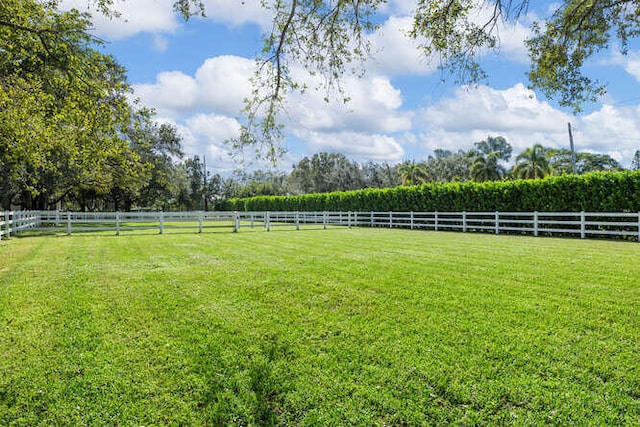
578 224
12 222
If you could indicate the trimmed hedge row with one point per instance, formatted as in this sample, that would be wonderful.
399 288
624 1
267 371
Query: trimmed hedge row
594 192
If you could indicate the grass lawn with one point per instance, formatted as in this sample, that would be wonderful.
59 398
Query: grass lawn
314 327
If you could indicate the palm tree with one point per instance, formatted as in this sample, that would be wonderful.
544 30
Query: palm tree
413 173
487 167
532 163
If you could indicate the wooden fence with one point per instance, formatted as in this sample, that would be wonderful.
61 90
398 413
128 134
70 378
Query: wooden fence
577 224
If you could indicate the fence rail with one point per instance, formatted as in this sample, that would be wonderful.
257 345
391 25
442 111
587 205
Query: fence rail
579 224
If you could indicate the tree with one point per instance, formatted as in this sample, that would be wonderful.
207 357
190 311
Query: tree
446 166
497 145
561 163
635 163
63 107
325 172
532 163
413 173
487 156
487 168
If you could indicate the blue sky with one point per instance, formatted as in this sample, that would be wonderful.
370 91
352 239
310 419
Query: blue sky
196 74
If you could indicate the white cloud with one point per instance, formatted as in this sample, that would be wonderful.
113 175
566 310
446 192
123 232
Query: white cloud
358 146
236 13
515 113
205 134
393 52
220 84
139 16
373 106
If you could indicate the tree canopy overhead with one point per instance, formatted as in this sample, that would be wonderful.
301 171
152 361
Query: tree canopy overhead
327 38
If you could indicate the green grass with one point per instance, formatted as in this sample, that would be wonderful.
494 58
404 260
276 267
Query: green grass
313 327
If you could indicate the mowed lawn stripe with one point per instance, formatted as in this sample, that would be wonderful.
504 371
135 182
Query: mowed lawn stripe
341 326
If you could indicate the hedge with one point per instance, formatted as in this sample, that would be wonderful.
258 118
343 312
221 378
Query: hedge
594 192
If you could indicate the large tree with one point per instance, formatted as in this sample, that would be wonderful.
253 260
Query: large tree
63 107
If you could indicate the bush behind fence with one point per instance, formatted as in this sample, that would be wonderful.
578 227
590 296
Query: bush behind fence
594 192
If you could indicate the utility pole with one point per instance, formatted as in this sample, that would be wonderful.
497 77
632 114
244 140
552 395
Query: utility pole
204 183
573 151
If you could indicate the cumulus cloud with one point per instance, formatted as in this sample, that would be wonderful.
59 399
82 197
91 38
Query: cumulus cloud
236 13
139 16
204 103
515 113
358 146
373 106
393 52
220 84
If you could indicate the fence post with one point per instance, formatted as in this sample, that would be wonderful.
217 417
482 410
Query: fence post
464 221
412 220
535 224
68 223
117 223
435 218
497 223
638 227
349 219
236 221
161 223
582 225
297 220
390 219
268 220
252 220
324 220
57 218
17 222
200 219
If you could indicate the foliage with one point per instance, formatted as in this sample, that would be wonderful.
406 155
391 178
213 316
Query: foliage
63 107
560 161
413 173
532 163
347 327
593 192
446 166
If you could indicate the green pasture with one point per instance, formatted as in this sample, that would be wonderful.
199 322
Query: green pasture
318 327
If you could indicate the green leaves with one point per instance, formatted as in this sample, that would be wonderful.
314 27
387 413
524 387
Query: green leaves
594 192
